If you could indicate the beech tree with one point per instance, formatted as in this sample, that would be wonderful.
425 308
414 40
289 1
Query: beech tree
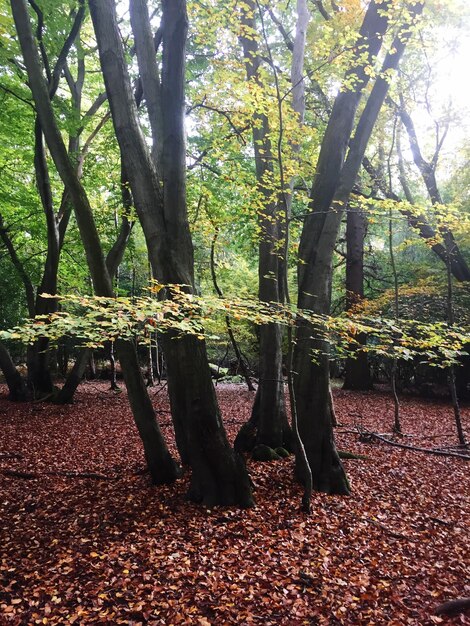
66 60
265 128
161 465
269 416
158 183
335 176
357 372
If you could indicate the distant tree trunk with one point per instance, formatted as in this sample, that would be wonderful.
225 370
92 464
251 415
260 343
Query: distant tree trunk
158 359
419 221
241 361
39 380
161 465
17 388
91 375
357 376
150 365
63 358
451 372
455 263
393 373
112 362
74 378
218 474
38 360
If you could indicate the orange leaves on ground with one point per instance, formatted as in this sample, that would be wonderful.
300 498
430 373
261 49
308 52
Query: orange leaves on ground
86 551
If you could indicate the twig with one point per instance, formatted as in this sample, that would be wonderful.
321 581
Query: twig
67 474
417 449
11 455
16 474
161 388
441 521
390 532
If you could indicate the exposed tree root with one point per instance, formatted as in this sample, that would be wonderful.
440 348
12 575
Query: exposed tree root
344 454
453 607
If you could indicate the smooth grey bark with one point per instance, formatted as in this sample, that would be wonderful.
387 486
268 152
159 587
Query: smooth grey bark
218 474
298 60
38 356
334 179
268 414
149 74
303 469
161 465
302 463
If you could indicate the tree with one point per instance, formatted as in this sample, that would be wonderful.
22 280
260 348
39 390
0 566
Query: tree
160 463
334 179
58 63
269 412
158 185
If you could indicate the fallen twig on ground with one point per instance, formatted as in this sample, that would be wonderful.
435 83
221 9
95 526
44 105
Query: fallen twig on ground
368 437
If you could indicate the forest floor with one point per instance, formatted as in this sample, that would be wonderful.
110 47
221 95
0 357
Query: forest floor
112 549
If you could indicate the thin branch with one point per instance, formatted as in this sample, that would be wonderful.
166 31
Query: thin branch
372 436
28 285
225 114
321 8
15 95
62 58
287 39
39 31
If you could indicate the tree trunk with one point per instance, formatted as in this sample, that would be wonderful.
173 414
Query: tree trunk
270 406
112 362
312 385
419 221
74 378
161 465
17 388
357 376
39 358
334 180
459 266
218 474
